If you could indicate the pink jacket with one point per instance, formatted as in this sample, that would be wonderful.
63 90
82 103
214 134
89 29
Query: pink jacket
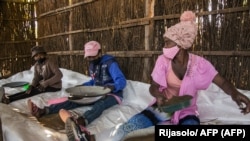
199 75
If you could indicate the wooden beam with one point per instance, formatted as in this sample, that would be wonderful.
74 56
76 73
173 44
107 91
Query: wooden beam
140 53
64 9
174 16
28 19
17 42
96 29
15 57
151 53
18 1
223 53
73 52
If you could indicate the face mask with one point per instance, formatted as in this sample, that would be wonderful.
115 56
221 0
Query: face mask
170 52
96 61
41 60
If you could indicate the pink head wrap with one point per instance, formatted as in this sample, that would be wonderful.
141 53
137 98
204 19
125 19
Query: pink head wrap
184 32
91 48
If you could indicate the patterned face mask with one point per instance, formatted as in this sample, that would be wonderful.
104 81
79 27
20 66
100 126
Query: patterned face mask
171 52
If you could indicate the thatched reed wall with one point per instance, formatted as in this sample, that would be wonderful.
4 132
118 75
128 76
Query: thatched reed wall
132 30
16 37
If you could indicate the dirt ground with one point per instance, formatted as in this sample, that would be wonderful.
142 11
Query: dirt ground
1 131
52 121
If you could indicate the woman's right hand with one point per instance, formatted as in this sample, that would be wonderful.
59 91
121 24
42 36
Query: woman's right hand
159 95
29 89
160 100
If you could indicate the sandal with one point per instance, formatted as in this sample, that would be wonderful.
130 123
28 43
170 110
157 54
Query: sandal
78 119
34 110
76 132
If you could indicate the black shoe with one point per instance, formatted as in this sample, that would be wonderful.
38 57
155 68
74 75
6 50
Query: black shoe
3 97
1 93
74 132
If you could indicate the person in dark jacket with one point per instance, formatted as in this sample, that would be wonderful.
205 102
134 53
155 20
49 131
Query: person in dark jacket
104 71
47 77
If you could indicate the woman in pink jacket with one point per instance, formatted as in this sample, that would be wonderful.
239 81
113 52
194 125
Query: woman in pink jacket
176 73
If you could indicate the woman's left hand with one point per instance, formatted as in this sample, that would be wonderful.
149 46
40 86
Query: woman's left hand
41 88
242 101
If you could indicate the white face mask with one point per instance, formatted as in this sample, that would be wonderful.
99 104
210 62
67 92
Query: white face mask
171 52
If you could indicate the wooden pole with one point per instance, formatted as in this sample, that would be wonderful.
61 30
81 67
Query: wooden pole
70 36
149 6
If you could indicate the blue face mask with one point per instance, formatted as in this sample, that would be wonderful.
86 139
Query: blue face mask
171 52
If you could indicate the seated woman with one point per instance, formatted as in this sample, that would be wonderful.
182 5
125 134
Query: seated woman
47 77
